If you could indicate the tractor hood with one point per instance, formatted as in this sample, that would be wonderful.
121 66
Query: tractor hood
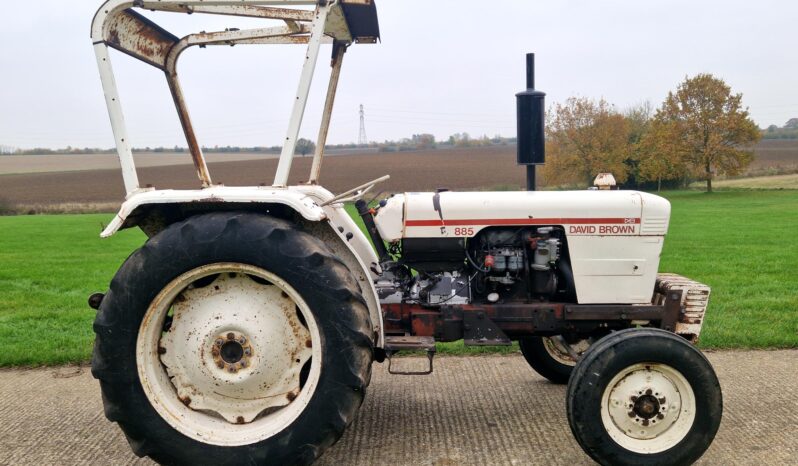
464 214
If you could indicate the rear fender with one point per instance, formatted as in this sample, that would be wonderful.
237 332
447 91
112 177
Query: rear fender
147 210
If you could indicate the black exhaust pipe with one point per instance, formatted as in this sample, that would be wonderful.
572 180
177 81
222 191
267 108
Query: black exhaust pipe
531 114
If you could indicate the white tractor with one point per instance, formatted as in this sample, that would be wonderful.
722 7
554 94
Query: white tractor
244 330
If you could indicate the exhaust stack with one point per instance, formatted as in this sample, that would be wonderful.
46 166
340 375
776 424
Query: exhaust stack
531 114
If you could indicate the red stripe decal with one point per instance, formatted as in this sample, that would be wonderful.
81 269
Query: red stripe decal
523 221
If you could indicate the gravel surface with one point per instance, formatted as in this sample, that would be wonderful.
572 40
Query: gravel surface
471 411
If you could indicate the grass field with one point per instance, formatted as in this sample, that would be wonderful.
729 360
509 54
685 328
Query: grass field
743 244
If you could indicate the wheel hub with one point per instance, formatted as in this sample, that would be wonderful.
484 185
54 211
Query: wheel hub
647 406
231 352
561 351
235 347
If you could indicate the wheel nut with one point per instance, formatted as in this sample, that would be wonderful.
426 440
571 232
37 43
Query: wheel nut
242 340
231 336
219 342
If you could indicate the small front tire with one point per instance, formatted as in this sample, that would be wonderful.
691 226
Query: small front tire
644 396
549 359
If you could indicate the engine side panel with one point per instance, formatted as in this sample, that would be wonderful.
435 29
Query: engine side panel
614 237
615 269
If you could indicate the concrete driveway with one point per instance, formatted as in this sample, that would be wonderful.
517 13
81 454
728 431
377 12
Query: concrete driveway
472 411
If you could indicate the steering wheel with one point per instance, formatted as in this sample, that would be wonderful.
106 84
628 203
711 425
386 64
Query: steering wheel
356 193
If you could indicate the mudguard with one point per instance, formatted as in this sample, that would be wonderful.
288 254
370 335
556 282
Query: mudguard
331 223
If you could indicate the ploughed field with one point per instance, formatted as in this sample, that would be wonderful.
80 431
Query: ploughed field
37 183
489 167
743 244
773 156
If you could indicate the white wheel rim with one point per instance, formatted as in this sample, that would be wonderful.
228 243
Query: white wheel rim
648 408
561 355
228 370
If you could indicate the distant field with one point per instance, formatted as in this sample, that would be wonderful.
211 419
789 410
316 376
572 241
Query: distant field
455 169
460 169
743 244
52 163
774 156
757 182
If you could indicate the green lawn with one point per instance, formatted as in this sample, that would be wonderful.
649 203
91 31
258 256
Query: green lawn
743 244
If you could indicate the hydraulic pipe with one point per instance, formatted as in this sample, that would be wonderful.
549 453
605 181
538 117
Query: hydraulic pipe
367 214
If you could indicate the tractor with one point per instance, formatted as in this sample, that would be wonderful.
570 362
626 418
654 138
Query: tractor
245 329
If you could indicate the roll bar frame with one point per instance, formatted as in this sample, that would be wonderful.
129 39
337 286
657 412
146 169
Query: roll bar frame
118 25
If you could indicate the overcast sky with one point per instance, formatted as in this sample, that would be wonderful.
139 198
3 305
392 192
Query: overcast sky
443 66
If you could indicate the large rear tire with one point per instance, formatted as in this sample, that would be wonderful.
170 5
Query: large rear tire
644 396
233 338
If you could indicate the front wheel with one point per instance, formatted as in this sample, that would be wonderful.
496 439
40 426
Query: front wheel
553 358
644 396
232 338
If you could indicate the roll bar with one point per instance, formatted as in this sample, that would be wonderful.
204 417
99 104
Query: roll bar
118 25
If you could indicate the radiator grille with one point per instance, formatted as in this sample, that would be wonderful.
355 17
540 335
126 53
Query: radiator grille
654 226
695 298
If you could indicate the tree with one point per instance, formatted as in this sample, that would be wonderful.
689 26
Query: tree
460 139
638 119
423 141
585 137
704 127
659 157
304 146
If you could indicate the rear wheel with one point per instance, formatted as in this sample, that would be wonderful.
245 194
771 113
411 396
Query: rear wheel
644 396
231 339
551 358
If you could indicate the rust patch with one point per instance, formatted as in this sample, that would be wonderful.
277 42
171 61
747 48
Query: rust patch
240 420
113 36
291 396
161 350
309 343
210 199
136 35
186 400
